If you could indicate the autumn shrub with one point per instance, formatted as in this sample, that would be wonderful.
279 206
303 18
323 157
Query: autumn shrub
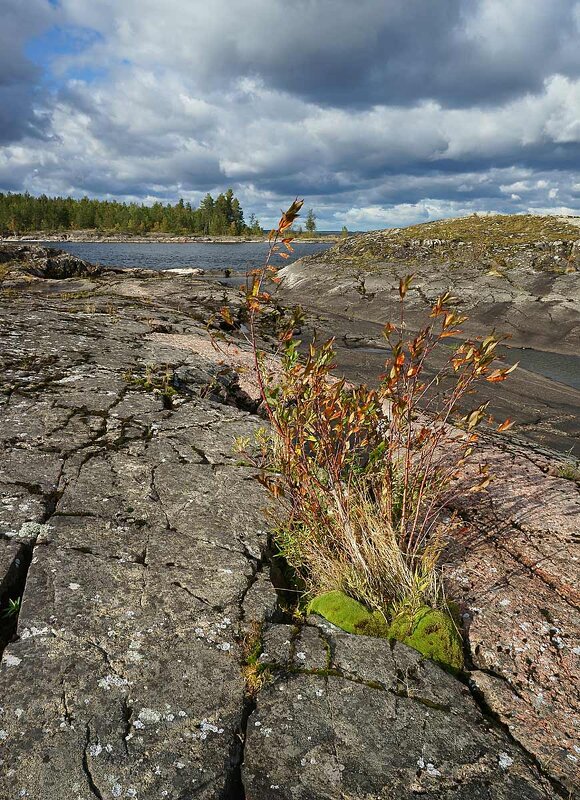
364 478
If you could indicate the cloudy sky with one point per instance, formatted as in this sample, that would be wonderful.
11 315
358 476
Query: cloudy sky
379 112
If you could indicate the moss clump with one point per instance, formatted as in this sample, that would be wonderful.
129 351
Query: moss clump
348 614
432 633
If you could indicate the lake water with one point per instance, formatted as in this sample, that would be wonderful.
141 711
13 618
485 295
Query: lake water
239 257
557 367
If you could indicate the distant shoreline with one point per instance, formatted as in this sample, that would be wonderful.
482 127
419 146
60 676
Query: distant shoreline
85 237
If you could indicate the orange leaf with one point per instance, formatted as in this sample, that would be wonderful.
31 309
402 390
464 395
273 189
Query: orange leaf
227 315
505 425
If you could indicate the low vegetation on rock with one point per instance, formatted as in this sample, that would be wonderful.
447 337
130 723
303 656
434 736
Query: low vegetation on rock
364 478
491 242
348 614
507 229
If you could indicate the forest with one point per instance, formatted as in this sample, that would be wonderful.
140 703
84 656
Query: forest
22 213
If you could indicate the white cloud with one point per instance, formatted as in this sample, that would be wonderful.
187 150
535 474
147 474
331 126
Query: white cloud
336 103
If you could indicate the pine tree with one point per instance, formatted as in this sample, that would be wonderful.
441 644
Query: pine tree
310 223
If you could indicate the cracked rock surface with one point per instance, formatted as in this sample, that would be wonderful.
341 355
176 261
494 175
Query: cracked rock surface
516 575
138 545
144 536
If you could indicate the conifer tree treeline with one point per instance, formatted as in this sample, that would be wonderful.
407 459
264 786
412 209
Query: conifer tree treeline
20 213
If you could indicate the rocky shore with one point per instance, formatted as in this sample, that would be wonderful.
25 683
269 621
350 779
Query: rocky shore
517 275
95 237
140 550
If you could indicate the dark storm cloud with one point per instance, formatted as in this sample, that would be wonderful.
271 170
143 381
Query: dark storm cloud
352 54
375 52
19 77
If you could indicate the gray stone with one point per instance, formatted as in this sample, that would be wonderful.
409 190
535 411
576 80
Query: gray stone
311 651
329 737
260 604
277 645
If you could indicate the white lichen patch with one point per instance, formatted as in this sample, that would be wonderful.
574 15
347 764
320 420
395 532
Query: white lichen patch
29 530
206 727
11 661
134 656
95 750
27 633
429 768
505 761
149 715
74 586
112 680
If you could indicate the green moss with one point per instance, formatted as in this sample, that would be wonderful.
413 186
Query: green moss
432 633
348 614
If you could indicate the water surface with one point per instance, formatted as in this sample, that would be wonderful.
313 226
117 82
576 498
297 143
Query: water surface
562 368
238 257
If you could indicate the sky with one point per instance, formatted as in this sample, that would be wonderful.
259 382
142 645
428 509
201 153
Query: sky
379 113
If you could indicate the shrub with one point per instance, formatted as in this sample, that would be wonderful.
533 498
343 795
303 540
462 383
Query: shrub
364 477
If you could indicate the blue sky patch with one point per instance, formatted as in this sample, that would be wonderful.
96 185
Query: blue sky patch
59 42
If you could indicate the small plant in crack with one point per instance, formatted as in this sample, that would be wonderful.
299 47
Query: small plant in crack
156 379
255 673
570 472
12 609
